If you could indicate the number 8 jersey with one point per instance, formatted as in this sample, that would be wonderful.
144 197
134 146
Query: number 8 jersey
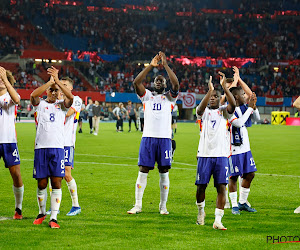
157 114
49 121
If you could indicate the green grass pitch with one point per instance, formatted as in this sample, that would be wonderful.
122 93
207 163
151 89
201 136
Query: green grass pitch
106 171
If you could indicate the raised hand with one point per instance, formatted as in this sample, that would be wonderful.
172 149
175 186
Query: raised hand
222 79
252 100
155 60
3 74
210 85
236 72
53 72
163 58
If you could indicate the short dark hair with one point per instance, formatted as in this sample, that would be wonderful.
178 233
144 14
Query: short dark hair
218 91
66 78
235 90
229 80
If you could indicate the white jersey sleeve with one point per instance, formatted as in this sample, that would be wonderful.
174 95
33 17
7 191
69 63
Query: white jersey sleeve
239 122
157 114
50 119
7 119
214 134
72 122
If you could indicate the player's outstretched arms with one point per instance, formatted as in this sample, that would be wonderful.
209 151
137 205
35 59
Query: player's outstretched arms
171 74
203 104
138 81
229 96
296 103
68 94
8 81
248 91
35 95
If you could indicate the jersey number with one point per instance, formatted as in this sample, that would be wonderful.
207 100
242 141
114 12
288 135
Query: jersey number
52 117
66 155
156 106
168 154
252 162
15 153
213 123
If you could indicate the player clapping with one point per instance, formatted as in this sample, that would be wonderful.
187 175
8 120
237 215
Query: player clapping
49 143
9 98
214 149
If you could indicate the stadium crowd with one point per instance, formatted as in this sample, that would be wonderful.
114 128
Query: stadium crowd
129 34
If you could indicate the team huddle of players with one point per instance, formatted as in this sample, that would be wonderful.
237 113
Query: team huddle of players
224 148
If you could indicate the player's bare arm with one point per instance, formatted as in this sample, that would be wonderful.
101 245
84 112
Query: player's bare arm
296 103
8 84
248 91
203 104
138 81
70 112
66 91
229 96
171 74
35 95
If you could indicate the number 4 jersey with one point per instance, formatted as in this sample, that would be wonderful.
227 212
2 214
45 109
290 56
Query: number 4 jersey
214 133
157 114
49 121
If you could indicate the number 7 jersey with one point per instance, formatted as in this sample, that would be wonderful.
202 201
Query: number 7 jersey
214 133
157 114
49 121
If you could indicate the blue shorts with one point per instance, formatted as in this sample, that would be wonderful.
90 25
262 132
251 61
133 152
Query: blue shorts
216 166
49 162
242 164
69 156
155 150
10 154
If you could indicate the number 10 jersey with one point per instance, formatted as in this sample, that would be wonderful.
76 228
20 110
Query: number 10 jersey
157 114
49 121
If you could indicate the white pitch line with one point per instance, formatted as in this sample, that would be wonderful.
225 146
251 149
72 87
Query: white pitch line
109 156
180 163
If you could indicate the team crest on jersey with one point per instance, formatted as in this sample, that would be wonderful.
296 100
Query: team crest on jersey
57 106
5 101
163 97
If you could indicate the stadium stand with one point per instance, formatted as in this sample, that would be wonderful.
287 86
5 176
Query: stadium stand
112 37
